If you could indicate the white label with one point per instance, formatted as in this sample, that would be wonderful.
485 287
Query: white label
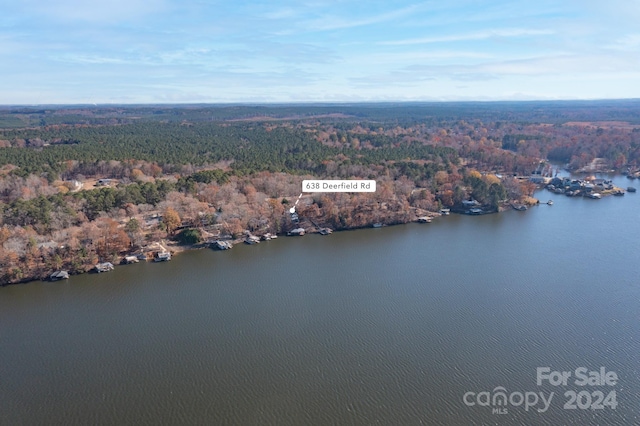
338 186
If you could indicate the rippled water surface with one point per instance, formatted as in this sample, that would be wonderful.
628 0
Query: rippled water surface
376 326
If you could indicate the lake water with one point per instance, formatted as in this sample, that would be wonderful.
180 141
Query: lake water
390 326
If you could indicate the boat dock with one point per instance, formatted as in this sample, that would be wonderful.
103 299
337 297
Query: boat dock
103 267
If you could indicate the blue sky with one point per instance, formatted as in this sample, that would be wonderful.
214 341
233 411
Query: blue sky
170 51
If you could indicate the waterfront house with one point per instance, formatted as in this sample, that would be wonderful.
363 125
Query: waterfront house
603 184
470 203
251 239
162 256
556 182
575 185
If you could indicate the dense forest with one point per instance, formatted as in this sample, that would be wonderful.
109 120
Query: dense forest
80 185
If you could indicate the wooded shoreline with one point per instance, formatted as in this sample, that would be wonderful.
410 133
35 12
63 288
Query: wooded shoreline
81 186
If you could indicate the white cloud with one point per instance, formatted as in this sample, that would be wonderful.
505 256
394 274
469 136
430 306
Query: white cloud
558 68
480 35
399 57
563 65
90 59
630 42
335 22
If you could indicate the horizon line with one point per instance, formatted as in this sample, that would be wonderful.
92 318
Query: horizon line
311 102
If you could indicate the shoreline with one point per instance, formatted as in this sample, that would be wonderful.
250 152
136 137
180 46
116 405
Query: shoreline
174 247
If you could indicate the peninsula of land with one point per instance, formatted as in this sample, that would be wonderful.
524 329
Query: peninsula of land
82 188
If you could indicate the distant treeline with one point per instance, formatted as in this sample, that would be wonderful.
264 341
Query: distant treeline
250 147
401 113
